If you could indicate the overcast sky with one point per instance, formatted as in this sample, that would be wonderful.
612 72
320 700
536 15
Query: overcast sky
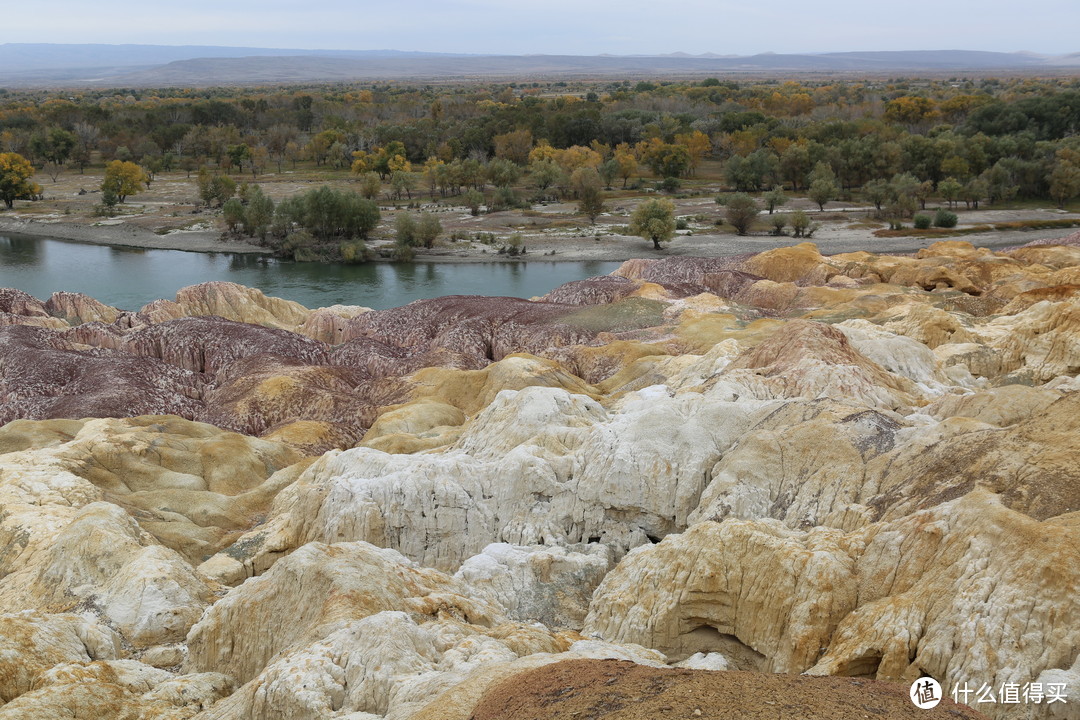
578 27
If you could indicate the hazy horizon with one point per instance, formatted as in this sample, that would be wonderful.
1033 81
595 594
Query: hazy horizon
558 27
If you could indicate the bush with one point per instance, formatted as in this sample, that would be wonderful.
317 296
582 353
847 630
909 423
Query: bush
778 221
741 211
922 222
681 224
669 185
944 219
233 212
800 223
405 230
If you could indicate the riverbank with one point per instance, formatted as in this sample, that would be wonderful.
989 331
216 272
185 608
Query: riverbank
166 216
832 238
119 233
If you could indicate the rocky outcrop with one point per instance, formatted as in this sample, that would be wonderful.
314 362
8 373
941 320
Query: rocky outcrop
892 601
849 465
190 485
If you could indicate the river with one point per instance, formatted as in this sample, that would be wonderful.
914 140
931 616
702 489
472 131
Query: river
128 278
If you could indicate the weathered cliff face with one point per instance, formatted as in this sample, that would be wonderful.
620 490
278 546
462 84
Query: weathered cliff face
848 465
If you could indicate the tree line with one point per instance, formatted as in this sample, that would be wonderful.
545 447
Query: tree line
972 140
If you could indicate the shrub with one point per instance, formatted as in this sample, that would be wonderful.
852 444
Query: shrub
669 185
800 223
741 211
681 224
944 219
233 212
778 222
922 222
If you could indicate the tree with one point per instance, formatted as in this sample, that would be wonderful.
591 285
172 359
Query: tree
1065 178
405 230
999 183
514 146
370 185
741 211
775 198
627 162
327 213
123 178
428 229
233 213
654 220
238 154
822 185
587 186
402 182
950 189
666 159
474 199
877 191
15 174
800 224
258 214
54 147
545 173
697 144
502 173
213 187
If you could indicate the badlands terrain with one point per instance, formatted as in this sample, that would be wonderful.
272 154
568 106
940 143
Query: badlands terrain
780 485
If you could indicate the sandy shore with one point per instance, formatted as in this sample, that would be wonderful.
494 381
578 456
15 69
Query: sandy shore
125 234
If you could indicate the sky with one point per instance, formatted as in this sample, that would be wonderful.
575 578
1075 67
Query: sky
573 27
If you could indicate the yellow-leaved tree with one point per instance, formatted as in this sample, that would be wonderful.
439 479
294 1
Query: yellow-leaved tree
15 183
122 178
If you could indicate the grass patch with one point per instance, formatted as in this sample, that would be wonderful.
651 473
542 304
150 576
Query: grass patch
622 316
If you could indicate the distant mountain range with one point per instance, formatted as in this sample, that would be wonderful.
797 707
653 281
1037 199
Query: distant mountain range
197 65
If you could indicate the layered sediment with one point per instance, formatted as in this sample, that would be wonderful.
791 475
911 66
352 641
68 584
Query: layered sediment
230 506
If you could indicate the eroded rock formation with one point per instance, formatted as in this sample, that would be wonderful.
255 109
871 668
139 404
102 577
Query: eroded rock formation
229 506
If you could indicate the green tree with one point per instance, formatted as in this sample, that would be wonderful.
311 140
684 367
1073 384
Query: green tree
545 172
740 211
775 198
238 155
502 173
405 230
587 185
822 185
233 213
428 229
370 185
667 160
1065 177
402 182
654 220
1000 185
877 191
327 213
123 178
950 189
15 183
474 199
258 214
54 147
800 224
